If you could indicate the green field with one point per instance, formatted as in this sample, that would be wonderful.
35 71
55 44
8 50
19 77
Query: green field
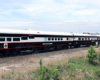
75 68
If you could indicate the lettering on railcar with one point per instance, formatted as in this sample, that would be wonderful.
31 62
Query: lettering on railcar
47 43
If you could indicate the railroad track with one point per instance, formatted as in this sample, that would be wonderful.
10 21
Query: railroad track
23 61
29 53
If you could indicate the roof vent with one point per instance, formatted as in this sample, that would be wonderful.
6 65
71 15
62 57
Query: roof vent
38 32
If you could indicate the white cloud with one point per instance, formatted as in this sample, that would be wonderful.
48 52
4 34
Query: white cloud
70 21
59 15
78 27
87 12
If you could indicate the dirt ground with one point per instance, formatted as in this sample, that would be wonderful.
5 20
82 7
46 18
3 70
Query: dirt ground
31 61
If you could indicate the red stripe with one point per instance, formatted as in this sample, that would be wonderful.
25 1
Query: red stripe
44 41
36 42
32 46
84 43
43 46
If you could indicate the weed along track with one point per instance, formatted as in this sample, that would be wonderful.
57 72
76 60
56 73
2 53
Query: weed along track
31 61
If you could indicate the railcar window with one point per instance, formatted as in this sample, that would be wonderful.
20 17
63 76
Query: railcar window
67 38
61 38
16 39
79 38
52 38
2 39
58 38
48 38
55 38
86 38
24 38
31 36
82 38
8 39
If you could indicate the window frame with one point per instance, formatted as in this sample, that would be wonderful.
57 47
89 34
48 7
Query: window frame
16 37
59 38
79 38
55 38
31 37
52 38
7 38
25 38
49 38
4 39
67 38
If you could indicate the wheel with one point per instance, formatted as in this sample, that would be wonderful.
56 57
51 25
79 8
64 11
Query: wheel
6 53
33 50
46 49
76 46
36 50
2 54
55 48
15 52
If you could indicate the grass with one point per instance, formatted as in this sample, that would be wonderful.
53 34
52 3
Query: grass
31 60
75 68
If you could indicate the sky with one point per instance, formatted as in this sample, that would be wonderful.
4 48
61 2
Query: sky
75 16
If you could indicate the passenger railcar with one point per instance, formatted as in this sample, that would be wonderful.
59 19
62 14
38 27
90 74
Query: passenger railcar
13 41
